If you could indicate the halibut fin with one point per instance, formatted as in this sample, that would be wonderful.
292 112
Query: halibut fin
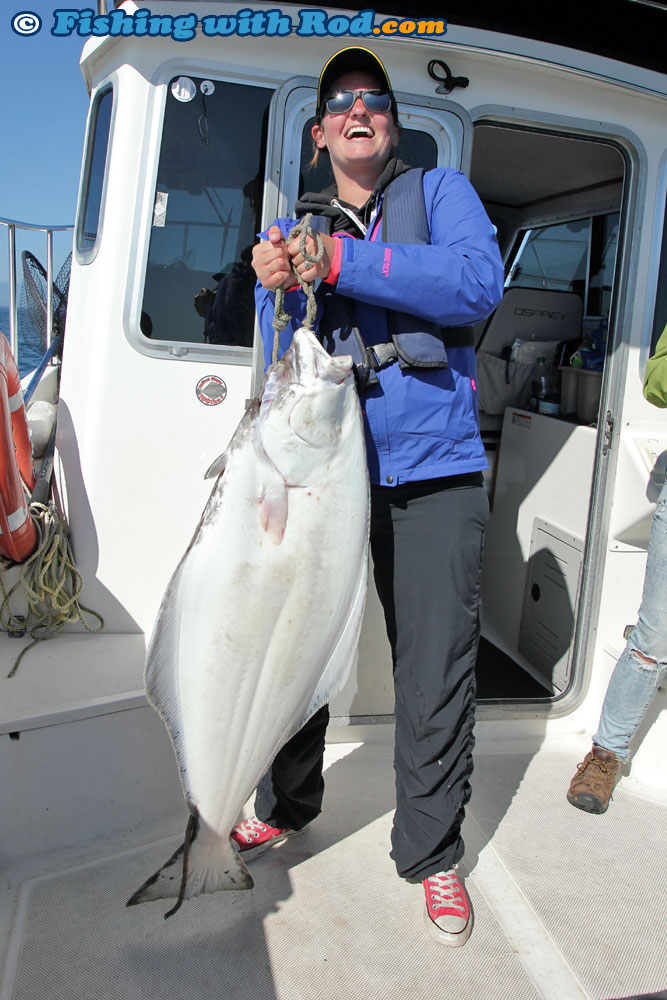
340 663
273 512
194 869
218 466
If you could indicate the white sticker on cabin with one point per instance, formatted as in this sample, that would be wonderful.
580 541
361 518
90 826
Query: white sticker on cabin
160 209
521 419
211 390
183 89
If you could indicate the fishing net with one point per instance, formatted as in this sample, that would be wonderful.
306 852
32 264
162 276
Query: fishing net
33 312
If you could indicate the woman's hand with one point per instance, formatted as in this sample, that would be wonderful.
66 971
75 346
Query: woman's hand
271 261
311 271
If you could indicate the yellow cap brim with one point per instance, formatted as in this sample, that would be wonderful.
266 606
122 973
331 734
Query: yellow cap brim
352 57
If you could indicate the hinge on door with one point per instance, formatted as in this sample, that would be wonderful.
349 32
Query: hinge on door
608 431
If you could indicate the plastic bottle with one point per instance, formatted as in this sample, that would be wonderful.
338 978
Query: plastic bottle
544 390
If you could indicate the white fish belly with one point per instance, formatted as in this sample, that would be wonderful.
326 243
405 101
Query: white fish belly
258 624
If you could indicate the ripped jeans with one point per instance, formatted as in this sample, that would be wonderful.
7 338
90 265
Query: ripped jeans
636 677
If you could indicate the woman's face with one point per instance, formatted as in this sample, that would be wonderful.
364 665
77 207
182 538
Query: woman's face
358 140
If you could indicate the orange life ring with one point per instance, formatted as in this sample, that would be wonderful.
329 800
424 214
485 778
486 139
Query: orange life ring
18 534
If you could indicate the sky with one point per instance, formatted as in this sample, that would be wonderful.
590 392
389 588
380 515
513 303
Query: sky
43 108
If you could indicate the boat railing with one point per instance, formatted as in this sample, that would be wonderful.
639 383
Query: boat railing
12 225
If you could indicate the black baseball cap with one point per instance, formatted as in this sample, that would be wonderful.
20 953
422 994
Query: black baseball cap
347 60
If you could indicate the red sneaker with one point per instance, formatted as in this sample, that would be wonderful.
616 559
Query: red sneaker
252 837
448 914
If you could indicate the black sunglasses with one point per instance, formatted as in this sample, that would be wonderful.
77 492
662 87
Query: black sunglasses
376 101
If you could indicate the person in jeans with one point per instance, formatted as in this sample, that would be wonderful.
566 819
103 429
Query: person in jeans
641 667
429 508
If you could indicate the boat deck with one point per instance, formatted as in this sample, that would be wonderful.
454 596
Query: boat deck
567 905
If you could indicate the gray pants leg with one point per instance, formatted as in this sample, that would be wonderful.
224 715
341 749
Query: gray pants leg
427 543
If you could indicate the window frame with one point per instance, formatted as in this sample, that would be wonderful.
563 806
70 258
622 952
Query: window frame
174 350
448 124
522 238
86 255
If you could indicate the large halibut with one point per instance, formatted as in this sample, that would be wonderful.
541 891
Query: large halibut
260 622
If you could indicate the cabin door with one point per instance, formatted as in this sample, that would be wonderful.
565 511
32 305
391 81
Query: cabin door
560 225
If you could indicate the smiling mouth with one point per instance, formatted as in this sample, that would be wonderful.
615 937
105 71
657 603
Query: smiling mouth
359 132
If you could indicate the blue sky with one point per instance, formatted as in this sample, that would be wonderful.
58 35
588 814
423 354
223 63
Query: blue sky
43 111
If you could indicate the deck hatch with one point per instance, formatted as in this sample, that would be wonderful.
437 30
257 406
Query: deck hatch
549 600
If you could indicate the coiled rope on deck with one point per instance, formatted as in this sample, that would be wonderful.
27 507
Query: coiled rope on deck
281 318
51 584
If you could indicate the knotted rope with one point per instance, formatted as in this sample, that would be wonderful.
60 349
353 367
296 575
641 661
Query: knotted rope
281 318
51 583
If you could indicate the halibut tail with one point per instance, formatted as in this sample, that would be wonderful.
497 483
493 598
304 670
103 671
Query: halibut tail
204 868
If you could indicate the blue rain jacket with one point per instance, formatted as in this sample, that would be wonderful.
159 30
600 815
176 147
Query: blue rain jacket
420 423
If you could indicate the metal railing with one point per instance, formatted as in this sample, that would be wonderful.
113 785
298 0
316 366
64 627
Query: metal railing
12 225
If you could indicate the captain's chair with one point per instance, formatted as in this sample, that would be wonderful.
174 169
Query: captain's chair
530 315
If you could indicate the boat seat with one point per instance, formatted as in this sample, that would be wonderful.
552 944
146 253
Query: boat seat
532 316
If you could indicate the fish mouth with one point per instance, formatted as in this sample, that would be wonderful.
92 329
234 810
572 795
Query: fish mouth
338 368
311 359
332 368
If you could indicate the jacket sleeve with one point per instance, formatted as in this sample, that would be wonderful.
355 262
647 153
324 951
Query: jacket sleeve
456 280
655 383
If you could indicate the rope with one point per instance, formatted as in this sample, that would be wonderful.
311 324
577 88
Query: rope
51 583
281 318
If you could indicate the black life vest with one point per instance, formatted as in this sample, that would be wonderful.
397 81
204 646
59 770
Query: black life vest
414 342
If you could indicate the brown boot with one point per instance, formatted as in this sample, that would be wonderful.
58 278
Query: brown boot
592 785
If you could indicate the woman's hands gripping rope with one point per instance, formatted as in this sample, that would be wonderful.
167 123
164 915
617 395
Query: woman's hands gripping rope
304 256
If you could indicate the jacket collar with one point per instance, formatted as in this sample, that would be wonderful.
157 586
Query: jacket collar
348 218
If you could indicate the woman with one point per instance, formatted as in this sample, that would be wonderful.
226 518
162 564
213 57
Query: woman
428 504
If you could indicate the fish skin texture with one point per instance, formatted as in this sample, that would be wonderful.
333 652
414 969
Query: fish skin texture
259 625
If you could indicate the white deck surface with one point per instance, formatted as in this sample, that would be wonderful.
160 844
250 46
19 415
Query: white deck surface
567 905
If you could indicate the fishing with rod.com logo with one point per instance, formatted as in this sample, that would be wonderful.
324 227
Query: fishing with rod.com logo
246 21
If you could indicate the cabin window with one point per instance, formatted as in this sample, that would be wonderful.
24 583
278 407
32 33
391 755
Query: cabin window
576 256
94 173
199 286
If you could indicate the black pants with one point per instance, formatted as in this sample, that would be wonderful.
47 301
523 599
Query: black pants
426 541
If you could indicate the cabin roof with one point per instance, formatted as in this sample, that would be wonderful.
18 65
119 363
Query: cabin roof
631 31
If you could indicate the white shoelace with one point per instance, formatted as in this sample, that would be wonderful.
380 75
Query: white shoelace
446 892
250 829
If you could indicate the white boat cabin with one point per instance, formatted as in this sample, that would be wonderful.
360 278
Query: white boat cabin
192 149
